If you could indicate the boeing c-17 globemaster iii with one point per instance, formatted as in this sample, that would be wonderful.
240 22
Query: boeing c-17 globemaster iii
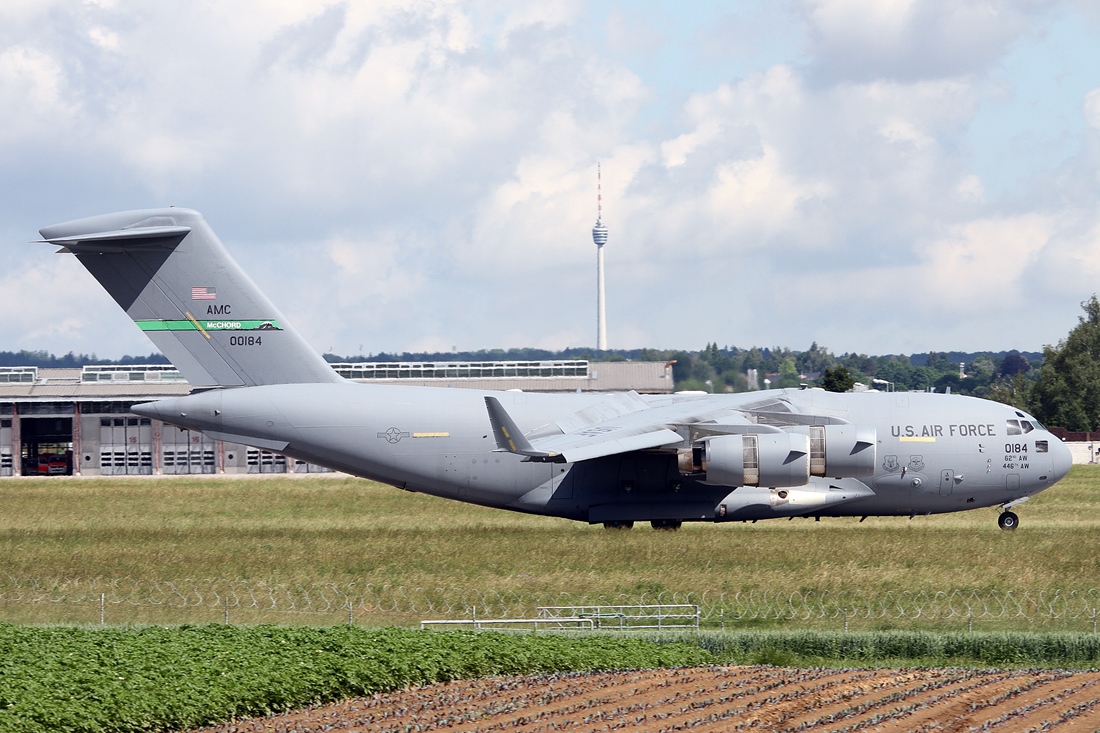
611 459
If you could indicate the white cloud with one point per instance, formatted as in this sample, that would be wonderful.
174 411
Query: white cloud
913 39
1092 109
979 264
33 96
970 189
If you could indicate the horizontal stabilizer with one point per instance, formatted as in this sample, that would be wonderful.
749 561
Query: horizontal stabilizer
100 241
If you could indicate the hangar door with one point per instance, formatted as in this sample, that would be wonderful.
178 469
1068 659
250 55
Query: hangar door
265 461
125 446
187 451
6 466
47 445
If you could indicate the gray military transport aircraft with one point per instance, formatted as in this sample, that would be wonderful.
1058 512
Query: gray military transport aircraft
613 459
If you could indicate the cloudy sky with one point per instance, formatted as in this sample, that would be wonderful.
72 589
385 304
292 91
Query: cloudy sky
880 176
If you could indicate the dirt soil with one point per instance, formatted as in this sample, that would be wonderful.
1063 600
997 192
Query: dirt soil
722 699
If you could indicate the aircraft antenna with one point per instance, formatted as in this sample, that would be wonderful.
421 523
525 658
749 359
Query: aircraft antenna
599 236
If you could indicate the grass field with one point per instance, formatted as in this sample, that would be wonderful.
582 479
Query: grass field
341 530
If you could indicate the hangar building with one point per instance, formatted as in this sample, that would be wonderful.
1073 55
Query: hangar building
60 422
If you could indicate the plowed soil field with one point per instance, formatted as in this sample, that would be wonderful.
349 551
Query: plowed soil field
723 699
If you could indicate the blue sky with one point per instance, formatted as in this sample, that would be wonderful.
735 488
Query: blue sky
876 176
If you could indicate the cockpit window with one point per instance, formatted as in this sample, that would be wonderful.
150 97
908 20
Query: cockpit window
1041 446
1027 426
1013 427
1025 419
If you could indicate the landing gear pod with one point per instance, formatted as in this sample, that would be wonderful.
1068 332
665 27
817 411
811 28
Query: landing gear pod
765 459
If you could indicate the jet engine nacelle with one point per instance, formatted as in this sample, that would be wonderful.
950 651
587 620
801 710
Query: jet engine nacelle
761 459
785 459
841 451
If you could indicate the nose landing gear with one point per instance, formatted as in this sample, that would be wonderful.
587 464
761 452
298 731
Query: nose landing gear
1008 519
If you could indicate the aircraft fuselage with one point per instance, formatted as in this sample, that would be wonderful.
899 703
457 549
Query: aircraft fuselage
934 453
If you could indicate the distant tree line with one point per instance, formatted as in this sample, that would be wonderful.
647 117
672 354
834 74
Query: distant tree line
726 368
46 360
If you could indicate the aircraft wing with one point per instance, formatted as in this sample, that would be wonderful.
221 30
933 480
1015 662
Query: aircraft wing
590 437
622 423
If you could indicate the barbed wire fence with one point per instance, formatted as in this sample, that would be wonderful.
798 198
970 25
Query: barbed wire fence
119 600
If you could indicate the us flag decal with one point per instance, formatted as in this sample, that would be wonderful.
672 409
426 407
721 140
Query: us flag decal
203 293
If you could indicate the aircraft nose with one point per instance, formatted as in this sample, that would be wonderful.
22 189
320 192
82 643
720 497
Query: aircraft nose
1061 458
152 409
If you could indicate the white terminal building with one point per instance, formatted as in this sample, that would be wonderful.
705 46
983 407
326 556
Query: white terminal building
61 422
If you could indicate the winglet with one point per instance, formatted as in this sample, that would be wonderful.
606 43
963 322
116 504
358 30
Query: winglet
508 436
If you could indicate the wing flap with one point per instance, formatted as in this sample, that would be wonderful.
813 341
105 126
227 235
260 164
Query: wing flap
611 407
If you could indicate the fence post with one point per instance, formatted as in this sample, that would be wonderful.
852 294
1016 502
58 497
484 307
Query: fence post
103 602
722 615
227 610
351 614
970 620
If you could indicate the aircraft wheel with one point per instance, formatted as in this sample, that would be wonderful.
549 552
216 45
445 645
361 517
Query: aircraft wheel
619 524
1008 520
666 524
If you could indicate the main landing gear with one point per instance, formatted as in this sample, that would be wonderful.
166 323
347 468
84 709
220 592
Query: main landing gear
670 525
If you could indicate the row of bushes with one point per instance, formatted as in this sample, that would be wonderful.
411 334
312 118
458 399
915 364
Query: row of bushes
73 679
903 647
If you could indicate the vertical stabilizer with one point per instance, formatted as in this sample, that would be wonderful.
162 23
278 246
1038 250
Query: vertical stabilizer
171 274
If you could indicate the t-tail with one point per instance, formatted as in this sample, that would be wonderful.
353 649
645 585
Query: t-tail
171 274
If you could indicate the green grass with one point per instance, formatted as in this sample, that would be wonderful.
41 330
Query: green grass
340 530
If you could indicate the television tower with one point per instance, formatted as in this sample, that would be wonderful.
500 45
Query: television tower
599 236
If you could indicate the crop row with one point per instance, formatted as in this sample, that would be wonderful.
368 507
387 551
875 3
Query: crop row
716 699
878 647
155 678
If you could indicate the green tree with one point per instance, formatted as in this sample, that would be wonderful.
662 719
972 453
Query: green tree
837 379
1067 393
816 359
788 373
1014 364
1015 391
